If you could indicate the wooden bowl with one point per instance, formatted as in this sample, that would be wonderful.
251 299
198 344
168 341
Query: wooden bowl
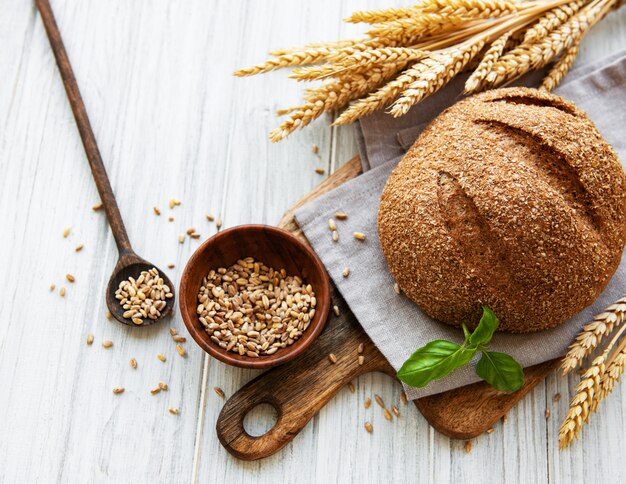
275 248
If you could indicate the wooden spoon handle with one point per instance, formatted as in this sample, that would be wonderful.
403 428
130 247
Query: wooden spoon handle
298 390
84 127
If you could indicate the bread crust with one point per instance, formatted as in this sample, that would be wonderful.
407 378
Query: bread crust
510 199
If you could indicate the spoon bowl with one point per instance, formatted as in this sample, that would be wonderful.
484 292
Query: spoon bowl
131 265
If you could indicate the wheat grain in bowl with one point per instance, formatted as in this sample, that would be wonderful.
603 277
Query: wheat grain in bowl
255 310
145 297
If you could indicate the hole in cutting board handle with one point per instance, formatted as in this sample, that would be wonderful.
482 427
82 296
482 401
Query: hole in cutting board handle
260 419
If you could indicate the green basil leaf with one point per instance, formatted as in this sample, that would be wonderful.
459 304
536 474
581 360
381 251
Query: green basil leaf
433 361
501 371
485 329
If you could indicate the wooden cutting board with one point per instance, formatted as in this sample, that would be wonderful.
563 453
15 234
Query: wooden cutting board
299 389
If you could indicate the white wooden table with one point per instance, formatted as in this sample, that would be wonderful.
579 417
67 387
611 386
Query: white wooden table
173 123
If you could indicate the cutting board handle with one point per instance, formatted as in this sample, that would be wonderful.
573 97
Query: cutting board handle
297 390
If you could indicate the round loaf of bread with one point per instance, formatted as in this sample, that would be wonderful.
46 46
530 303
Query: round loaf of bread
509 199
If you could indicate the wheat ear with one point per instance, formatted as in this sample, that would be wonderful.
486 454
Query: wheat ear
533 56
298 58
360 61
333 95
580 406
559 69
589 393
475 81
614 370
592 333
381 15
380 98
426 6
411 29
337 44
551 20
440 74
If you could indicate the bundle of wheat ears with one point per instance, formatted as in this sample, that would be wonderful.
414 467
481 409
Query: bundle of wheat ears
411 52
598 380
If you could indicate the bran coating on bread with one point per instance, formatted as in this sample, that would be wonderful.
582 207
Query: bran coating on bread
510 199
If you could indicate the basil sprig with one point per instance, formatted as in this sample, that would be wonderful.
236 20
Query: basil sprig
439 358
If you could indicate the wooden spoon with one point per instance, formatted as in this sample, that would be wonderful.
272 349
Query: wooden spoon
129 264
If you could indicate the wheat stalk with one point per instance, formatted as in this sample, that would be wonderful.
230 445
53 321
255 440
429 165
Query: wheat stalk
614 370
427 6
455 12
590 392
381 97
381 15
580 406
338 44
296 58
360 61
592 333
557 72
333 95
410 52
442 69
551 20
475 81
526 57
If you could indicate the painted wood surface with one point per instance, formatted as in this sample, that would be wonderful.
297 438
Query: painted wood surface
171 122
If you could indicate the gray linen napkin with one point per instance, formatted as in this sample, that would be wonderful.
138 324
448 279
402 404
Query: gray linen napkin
394 323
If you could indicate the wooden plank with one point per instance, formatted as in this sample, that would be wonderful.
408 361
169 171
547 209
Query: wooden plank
65 424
